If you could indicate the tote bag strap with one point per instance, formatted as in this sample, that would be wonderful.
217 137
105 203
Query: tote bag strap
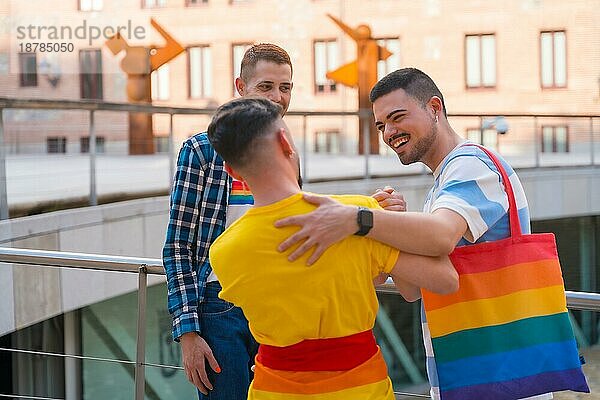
513 214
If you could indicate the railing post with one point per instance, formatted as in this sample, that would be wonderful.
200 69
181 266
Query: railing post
171 151
92 148
536 142
3 192
304 148
366 133
140 357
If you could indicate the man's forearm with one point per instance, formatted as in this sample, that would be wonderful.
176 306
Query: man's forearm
417 233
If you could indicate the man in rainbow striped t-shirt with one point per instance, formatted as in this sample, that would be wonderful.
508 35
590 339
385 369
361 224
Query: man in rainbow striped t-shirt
466 205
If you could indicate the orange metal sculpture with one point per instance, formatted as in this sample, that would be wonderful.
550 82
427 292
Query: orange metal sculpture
362 73
138 64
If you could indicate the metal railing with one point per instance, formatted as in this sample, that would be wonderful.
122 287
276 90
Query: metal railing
143 267
530 153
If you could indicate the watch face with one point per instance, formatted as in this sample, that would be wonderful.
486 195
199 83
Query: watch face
365 221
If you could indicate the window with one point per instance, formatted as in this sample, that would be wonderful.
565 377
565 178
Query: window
553 52
27 69
90 5
328 142
159 82
326 54
200 72
84 144
555 139
90 75
237 53
195 2
161 144
489 138
480 52
154 3
384 67
56 144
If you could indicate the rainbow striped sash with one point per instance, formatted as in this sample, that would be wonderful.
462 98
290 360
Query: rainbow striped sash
240 193
506 333
344 368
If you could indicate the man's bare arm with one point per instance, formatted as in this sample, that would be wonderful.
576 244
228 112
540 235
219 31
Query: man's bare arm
413 272
418 233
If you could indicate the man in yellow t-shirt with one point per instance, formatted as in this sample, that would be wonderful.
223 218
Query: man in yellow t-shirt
314 325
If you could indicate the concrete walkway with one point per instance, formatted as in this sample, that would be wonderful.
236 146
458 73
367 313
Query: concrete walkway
42 177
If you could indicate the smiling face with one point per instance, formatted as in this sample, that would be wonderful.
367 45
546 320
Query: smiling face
406 126
270 80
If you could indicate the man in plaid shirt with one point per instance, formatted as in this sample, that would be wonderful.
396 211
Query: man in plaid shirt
204 200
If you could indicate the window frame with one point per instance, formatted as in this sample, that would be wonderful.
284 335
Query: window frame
155 93
328 145
202 3
145 6
385 39
91 9
330 88
554 149
61 144
553 32
27 79
82 75
233 62
203 94
481 85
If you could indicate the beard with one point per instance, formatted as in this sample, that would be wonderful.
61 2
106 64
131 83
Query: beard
421 147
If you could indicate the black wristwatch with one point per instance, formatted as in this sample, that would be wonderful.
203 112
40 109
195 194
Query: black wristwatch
365 221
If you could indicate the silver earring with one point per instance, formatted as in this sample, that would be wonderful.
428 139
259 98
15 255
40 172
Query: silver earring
436 118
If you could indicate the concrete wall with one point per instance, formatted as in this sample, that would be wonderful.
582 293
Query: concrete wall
29 294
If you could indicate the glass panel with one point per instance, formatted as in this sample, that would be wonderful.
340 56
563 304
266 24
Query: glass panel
546 59
108 329
490 139
320 63
560 59
547 139
207 71
332 56
473 61
488 60
195 54
381 64
85 5
384 67
473 135
238 54
561 139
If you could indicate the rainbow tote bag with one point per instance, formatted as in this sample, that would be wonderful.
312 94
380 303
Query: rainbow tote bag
505 334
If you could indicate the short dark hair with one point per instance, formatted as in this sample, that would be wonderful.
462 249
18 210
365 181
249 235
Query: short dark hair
414 82
236 126
265 52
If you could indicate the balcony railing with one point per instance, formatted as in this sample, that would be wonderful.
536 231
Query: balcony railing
533 140
148 266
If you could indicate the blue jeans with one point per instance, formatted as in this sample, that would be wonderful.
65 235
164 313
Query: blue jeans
225 329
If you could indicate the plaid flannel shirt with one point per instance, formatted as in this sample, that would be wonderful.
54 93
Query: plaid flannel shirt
198 205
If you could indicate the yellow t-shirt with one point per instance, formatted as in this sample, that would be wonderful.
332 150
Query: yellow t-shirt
288 302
